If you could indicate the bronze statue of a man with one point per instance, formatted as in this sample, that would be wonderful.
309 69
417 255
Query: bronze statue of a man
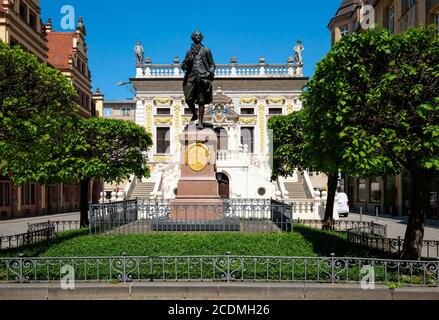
200 72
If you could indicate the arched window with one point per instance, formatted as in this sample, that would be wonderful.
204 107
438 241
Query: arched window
247 138
223 143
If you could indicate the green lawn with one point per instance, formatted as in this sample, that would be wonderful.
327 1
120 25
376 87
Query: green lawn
303 241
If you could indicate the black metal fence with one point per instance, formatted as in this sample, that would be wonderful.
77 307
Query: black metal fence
430 248
37 232
245 215
221 269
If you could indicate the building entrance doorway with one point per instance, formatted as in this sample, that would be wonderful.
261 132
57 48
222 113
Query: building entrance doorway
223 185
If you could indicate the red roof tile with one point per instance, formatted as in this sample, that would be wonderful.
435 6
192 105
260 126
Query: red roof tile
60 48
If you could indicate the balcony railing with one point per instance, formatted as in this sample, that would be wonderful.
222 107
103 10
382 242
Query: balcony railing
288 70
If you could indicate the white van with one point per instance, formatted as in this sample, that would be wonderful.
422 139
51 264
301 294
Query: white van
342 204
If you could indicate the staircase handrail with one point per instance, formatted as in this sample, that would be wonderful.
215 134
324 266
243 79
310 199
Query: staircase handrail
308 184
130 186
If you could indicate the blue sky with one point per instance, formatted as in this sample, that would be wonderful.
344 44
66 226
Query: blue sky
241 28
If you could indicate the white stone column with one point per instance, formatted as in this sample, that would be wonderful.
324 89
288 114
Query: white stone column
261 132
140 113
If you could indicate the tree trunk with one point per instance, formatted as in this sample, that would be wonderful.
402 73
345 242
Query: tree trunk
84 203
329 210
420 201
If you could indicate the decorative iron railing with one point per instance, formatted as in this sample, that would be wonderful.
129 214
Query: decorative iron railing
247 215
36 233
220 269
430 248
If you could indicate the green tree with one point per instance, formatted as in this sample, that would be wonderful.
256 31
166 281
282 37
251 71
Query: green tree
106 148
289 145
376 95
298 144
42 139
36 113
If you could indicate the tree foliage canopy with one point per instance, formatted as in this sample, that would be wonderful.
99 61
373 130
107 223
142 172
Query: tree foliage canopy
289 144
107 148
381 91
36 113
371 109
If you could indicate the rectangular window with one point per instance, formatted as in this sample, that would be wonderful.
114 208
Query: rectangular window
375 193
163 140
93 108
391 18
24 194
108 112
125 111
436 21
361 190
344 30
33 20
5 194
187 112
275 111
164 111
77 193
32 194
83 100
28 196
407 4
23 11
247 138
66 194
247 111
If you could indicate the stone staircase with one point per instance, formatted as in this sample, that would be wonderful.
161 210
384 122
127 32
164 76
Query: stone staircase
142 190
296 190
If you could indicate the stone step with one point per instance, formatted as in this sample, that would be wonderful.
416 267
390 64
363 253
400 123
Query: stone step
143 190
296 190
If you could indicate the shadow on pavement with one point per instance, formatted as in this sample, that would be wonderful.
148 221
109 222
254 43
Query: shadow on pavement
326 242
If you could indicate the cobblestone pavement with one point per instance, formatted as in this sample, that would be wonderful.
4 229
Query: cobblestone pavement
11 227
396 226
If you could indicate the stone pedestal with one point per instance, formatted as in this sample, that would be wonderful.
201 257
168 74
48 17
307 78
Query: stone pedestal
197 199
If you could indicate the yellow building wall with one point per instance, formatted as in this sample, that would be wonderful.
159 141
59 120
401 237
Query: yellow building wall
99 107
3 34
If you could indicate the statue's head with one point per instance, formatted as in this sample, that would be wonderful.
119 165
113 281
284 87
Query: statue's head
197 37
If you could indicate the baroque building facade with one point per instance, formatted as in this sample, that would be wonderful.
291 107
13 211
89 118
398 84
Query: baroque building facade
245 97
391 195
20 24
